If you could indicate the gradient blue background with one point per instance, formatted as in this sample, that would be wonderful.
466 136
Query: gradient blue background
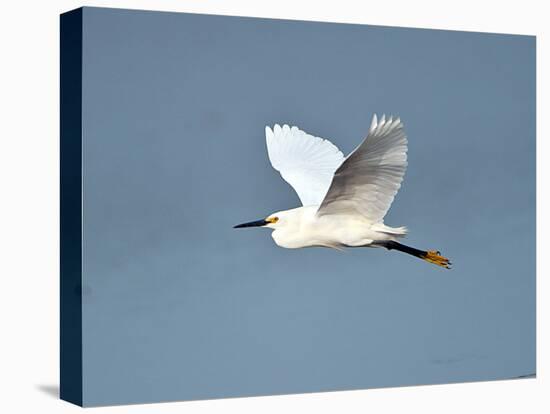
178 305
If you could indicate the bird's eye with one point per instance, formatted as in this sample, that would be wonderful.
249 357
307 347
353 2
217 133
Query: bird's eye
273 220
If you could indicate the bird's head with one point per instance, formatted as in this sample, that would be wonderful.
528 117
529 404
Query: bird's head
273 221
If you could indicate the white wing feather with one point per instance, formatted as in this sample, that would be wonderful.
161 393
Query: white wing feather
369 178
306 162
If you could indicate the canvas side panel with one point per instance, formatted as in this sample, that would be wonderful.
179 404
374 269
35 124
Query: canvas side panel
71 206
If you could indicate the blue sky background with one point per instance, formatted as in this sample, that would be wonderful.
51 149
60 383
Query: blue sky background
178 305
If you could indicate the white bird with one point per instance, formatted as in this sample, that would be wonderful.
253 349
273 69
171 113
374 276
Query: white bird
344 200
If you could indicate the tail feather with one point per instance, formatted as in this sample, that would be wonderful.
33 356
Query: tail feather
393 231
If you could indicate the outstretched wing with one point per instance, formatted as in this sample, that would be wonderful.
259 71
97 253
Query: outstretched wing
306 162
369 178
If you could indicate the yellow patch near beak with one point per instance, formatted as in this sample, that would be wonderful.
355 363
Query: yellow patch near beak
272 220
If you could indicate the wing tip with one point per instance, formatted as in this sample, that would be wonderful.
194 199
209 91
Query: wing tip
385 124
284 128
374 123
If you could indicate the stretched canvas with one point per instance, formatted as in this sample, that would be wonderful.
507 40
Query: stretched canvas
164 150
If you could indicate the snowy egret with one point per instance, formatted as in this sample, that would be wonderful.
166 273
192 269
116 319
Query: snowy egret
344 200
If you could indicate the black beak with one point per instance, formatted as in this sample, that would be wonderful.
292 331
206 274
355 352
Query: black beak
257 223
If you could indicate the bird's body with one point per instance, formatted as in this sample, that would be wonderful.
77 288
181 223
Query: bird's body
304 228
344 199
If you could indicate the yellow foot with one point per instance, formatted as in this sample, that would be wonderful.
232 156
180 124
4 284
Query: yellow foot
433 256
